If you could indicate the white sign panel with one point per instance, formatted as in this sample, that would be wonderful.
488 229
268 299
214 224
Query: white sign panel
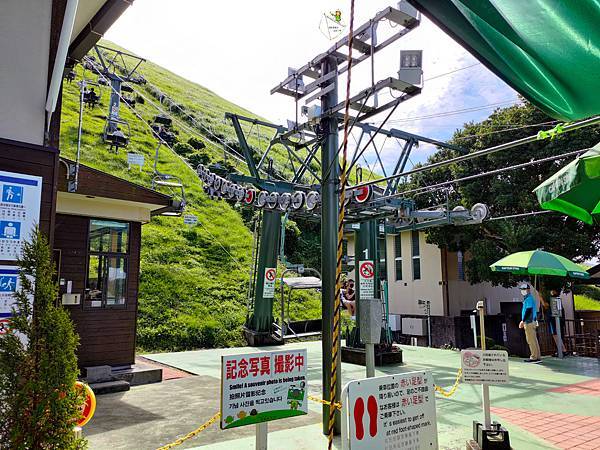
484 367
391 412
259 387
190 219
135 159
269 285
19 211
9 284
366 279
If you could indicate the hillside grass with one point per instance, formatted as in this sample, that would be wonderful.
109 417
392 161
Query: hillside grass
193 281
583 302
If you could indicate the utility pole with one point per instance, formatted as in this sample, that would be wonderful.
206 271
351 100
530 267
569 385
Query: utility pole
329 227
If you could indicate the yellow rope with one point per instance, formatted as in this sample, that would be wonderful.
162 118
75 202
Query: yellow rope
340 238
325 402
451 392
190 435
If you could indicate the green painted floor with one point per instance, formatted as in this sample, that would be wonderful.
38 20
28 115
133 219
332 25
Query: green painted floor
169 417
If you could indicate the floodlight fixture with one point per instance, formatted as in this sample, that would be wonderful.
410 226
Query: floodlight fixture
411 67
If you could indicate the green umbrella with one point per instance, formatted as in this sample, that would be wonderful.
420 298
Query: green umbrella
575 189
538 262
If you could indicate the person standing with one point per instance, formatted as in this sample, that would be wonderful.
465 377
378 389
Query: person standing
529 323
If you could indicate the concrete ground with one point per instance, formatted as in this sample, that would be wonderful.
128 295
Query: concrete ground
547 406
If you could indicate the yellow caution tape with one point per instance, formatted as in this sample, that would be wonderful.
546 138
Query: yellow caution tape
190 435
336 405
451 392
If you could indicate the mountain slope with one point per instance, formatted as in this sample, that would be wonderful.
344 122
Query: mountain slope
193 280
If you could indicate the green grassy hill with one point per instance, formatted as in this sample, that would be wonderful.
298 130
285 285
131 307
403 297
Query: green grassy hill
193 281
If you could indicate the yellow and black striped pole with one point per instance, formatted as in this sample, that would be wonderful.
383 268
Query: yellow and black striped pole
340 236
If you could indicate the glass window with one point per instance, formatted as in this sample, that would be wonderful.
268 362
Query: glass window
398 256
107 264
416 255
108 236
381 253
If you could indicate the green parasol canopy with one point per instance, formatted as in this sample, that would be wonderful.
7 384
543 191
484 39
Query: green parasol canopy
538 262
575 189
547 50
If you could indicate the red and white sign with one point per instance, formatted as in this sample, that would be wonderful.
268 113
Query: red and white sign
362 194
249 197
484 367
269 284
390 412
366 279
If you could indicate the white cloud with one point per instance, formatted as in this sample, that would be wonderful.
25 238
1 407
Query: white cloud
242 49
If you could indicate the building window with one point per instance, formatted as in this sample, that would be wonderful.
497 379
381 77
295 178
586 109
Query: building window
416 255
381 255
398 257
461 267
106 284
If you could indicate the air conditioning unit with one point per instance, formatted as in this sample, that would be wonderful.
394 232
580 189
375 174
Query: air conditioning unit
414 327
71 299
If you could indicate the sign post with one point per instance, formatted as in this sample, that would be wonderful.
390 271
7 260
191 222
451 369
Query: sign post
389 412
556 308
260 387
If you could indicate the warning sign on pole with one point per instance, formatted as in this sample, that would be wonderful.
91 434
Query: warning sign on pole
269 285
259 387
394 411
484 367
366 279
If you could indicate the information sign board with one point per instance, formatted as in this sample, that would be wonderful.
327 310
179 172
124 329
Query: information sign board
259 387
484 367
269 285
366 279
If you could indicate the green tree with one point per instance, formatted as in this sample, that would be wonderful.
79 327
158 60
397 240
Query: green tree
507 193
38 366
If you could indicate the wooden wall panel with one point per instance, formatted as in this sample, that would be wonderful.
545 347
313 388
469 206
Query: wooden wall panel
107 335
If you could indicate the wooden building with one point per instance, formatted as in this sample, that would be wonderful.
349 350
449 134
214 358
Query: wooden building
95 231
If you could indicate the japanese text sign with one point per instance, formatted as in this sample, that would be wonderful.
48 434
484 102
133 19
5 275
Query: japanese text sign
366 279
19 211
484 367
269 286
391 412
259 387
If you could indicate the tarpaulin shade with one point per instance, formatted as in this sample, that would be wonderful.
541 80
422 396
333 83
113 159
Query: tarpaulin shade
547 50
575 189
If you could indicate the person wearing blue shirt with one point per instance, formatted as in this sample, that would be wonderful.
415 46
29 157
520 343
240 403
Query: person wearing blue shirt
529 323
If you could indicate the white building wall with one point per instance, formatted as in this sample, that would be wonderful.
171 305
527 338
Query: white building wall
24 49
404 294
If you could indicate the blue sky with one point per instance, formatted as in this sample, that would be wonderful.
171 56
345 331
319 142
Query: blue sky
242 49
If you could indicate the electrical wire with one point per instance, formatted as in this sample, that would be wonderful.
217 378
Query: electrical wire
450 113
435 77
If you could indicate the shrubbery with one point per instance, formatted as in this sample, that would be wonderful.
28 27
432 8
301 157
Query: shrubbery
39 404
198 144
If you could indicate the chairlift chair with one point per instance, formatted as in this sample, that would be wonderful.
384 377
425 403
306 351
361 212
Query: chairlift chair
126 88
114 135
163 120
70 76
171 182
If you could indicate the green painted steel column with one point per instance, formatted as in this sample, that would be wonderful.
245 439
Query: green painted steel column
366 248
261 319
329 225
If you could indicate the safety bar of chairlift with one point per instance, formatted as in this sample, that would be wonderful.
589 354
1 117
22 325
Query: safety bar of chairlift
282 289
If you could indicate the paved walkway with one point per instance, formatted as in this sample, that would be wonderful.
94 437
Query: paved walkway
546 406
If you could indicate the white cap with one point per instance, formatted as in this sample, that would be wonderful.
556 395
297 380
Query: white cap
524 286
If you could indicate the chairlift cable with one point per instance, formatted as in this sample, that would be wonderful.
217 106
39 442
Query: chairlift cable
513 216
180 157
487 151
427 189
